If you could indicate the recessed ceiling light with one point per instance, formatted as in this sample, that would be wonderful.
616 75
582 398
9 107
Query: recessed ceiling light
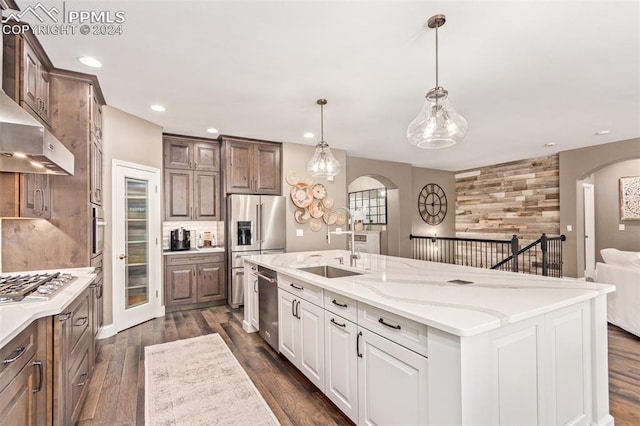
603 132
549 144
90 61
212 130
158 108
308 135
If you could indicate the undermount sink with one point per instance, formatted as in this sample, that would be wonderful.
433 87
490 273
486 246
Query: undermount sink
329 271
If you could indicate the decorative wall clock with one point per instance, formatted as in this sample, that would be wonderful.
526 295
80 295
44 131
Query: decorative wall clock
432 204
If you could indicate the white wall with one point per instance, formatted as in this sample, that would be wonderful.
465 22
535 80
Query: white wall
127 138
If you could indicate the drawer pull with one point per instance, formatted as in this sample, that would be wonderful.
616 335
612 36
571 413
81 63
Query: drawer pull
264 277
64 317
338 324
395 327
40 374
83 377
20 350
339 304
81 321
297 287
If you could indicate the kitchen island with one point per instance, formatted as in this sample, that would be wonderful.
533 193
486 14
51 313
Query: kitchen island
408 341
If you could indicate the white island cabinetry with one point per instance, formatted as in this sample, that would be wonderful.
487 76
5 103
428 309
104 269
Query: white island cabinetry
405 343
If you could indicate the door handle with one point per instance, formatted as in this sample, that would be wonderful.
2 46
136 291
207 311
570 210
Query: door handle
298 309
293 311
122 256
358 345
40 374
264 277
255 286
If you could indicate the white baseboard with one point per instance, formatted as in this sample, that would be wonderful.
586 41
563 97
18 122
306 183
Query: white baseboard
107 331
246 326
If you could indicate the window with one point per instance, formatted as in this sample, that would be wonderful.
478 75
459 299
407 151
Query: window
373 205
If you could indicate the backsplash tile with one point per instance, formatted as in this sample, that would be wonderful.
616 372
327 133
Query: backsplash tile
196 228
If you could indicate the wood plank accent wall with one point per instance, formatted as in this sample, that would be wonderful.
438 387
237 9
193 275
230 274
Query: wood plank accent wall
520 197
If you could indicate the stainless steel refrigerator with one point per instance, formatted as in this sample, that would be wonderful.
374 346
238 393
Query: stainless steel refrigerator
256 224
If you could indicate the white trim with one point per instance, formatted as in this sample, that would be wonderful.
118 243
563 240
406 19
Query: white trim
107 331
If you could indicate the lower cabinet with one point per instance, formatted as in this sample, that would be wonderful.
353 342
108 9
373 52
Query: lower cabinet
254 297
301 335
72 349
23 377
193 279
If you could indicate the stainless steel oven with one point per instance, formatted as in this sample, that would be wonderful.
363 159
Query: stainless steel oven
97 230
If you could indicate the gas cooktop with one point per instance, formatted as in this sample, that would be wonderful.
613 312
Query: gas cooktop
32 287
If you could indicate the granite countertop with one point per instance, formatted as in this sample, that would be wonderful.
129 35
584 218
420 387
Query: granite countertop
422 291
17 316
202 250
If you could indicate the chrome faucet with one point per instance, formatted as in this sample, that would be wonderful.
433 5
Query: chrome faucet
353 257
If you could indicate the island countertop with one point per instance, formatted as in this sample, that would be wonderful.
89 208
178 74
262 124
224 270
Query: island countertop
424 291
16 317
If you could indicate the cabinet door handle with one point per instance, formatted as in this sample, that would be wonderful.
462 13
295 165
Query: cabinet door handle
358 345
337 323
255 286
37 208
395 327
81 321
40 375
298 309
293 308
83 377
297 287
20 350
339 304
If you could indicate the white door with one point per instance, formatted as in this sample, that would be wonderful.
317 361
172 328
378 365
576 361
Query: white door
589 231
392 383
341 364
311 319
136 248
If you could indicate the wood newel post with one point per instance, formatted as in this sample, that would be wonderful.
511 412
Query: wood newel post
545 254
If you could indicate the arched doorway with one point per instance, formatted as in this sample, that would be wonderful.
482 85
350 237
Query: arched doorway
389 231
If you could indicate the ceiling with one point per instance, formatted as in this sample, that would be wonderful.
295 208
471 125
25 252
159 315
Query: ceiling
522 73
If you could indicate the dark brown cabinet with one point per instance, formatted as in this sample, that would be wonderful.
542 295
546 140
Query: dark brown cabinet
25 195
26 76
95 161
252 167
73 340
191 179
23 377
97 308
192 279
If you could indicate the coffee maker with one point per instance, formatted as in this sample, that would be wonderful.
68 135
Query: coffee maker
180 239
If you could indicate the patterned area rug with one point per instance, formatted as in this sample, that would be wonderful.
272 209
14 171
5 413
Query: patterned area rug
198 381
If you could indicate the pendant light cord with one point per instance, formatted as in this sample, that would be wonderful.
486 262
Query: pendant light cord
322 122
437 25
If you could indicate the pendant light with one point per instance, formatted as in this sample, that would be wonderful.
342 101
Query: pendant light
323 163
438 125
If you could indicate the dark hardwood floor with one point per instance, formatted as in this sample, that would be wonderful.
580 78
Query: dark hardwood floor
116 392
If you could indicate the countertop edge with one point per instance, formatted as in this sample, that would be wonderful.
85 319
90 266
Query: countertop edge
60 302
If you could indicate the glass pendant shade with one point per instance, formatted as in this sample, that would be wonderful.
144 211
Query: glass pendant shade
438 125
323 163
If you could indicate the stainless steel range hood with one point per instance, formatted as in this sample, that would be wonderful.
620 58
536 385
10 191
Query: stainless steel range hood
26 146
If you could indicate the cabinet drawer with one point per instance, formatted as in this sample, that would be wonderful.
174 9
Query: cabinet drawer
17 353
184 259
79 376
306 291
80 321
405 332
344 306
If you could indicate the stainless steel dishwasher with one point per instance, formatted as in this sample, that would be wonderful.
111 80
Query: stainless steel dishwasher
268 306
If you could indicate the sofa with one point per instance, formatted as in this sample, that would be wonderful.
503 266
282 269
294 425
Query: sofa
622 269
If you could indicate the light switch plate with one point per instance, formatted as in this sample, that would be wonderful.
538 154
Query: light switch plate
621 227
569 228
299 232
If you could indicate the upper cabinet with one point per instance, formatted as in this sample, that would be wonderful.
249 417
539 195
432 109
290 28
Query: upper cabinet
191 179
252 167
26 76
189 154
95 163
25 195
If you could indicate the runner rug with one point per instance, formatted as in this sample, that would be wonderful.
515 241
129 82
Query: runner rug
198 381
